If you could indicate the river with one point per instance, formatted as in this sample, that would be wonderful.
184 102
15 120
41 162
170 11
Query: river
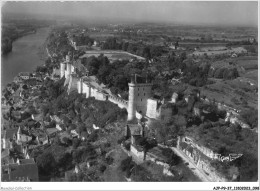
24 56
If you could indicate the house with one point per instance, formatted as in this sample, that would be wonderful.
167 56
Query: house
201 156
174 97
96 43
38 77
95 127
51 131
24 75
6 158
74 133
136 149
23 171
84 135
55 118
58 127
175 81
8 136
22 138
136 132
17 79
197 109
234 55
133 129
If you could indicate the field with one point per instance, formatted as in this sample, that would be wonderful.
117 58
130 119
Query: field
248 65
240 93
211 52
235 93
112 55
253 75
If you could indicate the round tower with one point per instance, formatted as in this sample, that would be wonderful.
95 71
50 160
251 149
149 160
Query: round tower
131 102
62 69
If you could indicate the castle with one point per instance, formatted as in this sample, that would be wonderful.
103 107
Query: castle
140 102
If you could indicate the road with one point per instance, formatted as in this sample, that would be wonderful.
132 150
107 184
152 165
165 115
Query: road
192 166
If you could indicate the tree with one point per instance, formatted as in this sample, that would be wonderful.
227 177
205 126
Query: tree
46 163
146 52
172 158
162 134
180 121
41 69
183 56
250 116
75 143
92 64
103 73
66 140
126 164
77 156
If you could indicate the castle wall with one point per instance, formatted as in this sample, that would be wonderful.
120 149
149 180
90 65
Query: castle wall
139 103
152 108
86 89
73 83
62 69
80 86
120 102
158 111
92 92
99 96
68 70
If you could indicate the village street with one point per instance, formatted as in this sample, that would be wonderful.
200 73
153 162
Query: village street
191 165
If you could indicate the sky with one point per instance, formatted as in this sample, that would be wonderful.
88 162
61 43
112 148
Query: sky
235 13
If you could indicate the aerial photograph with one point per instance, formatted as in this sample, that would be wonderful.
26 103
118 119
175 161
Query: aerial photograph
129 91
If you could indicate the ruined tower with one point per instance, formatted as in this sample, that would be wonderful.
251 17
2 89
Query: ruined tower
138 95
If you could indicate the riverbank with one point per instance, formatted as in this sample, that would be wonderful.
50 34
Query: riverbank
8 41
28 53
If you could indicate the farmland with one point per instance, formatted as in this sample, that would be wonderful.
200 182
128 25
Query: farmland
112 55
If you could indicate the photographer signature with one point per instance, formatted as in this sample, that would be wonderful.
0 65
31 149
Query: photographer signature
229 158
